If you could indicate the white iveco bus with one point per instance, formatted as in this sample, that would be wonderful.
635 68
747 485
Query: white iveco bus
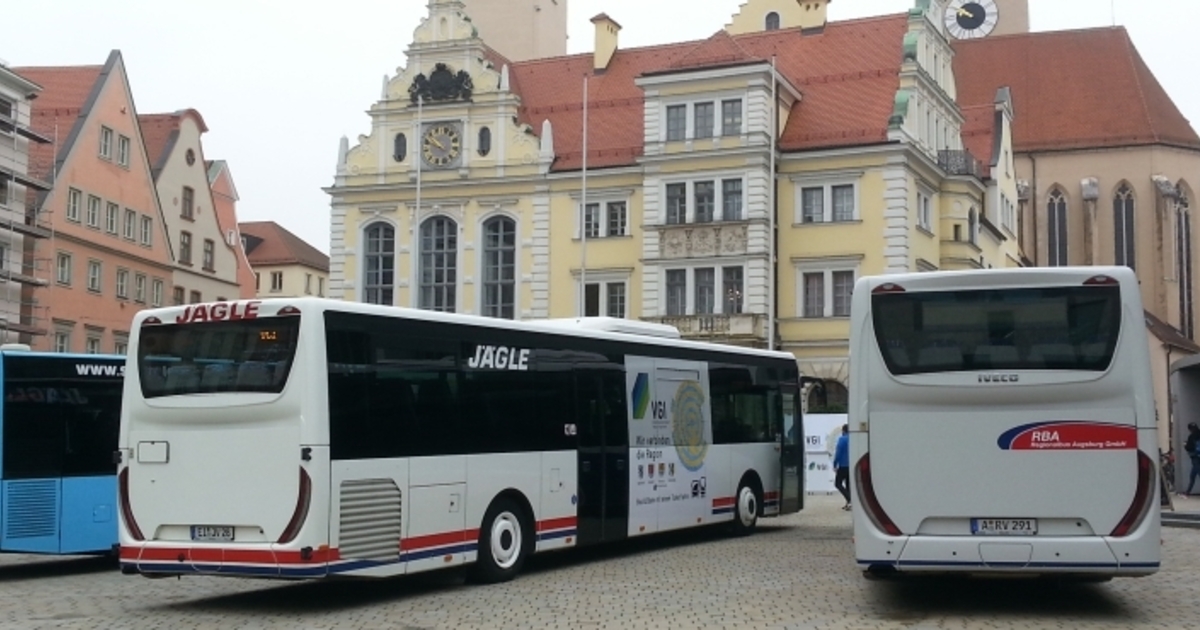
1002 421
308 438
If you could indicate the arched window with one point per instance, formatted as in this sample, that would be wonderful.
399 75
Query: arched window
1123 208
828 397
1183 254
379 264
972 226
772 21
485 141
500 267
439 264
1056 217
400 147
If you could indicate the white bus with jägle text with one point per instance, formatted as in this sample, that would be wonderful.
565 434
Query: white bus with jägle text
1003 422
304 438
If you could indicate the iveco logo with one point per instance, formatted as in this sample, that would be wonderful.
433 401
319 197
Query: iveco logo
999 378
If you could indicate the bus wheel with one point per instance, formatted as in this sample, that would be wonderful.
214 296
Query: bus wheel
503 543
745 516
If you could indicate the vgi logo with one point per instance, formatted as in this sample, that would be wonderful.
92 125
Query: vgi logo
700 487
999 378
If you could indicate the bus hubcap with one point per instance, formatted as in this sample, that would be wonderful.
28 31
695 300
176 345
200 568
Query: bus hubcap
506 540
747 507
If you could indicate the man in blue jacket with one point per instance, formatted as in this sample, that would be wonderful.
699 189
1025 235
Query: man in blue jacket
841 465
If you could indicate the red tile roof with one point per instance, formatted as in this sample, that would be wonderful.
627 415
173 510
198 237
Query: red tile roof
1072 90
979 134
65 91
848 76
159 132
281 247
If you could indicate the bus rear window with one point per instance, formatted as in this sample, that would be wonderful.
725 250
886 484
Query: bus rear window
217 357
1055 328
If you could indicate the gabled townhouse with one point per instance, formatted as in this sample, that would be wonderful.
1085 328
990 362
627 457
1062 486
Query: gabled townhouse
225 198
284 264
21 235
205 255
108 252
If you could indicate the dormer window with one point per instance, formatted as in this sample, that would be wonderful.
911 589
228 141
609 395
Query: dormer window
772 21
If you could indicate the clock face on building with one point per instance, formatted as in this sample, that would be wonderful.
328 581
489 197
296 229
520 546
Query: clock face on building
970 19
441 145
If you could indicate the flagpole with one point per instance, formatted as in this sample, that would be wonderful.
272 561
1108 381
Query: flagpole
415 299
583 208
771 266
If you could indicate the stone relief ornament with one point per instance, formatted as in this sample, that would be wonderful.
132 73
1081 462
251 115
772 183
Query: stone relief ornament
443 84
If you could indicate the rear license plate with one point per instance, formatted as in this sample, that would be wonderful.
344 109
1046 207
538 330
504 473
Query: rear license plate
1004 526
212 533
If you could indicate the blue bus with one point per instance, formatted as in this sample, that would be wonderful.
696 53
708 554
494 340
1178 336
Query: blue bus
59 428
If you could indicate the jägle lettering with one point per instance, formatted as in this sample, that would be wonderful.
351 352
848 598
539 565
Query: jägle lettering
219 312
499 358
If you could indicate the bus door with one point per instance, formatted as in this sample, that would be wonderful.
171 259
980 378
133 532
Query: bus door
791 452
603 508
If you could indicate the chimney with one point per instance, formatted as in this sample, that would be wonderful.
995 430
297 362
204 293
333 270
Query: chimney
814 15
606 40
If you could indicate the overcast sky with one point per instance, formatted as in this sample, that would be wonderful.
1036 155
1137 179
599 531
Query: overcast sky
280 81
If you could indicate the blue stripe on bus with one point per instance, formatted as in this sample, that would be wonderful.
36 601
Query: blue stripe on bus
1035 565
723 510
563 533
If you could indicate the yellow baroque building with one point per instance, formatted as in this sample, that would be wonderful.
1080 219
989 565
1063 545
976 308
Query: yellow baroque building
734 187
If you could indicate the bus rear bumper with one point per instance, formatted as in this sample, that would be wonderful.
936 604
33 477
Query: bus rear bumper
156 560
1047 555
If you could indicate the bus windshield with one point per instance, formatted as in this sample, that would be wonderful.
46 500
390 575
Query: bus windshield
216 357
1053 328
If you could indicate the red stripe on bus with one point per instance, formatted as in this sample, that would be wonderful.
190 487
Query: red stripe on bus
770 496
723 502
557 523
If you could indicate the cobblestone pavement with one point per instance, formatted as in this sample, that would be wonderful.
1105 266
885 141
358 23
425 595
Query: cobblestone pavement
797 572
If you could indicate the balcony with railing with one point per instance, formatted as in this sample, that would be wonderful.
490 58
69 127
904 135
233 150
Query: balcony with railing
960 162
742 328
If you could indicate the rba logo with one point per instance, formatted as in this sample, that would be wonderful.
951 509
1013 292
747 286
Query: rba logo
999 378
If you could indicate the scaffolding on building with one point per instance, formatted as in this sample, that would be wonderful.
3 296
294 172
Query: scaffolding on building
23 272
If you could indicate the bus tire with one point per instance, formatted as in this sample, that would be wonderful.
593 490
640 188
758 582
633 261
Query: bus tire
504 543
746 507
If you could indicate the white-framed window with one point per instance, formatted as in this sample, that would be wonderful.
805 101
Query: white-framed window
704 200
95 274
112 217
93 345
74 203
123 283
121 346
704 290
827 202
438 265
106 143
308 284
276 281
62 341
924 212
973 226
605 294
320 286
63 269
825 288
93 211
147 231
156 292
123 151
704 119
130 223
139 288
499 268
605 219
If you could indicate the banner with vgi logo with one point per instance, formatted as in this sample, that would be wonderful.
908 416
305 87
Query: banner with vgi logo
821 432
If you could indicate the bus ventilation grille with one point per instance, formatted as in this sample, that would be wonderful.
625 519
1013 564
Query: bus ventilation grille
369 525
31 509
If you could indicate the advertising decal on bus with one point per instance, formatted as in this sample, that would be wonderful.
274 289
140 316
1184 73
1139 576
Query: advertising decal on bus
1076 435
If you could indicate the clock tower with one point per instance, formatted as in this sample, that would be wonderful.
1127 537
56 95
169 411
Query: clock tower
972 19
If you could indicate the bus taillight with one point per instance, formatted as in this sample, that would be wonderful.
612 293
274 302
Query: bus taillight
151 321
1142 498
888 287
301 512
135 532
288 310
870 504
